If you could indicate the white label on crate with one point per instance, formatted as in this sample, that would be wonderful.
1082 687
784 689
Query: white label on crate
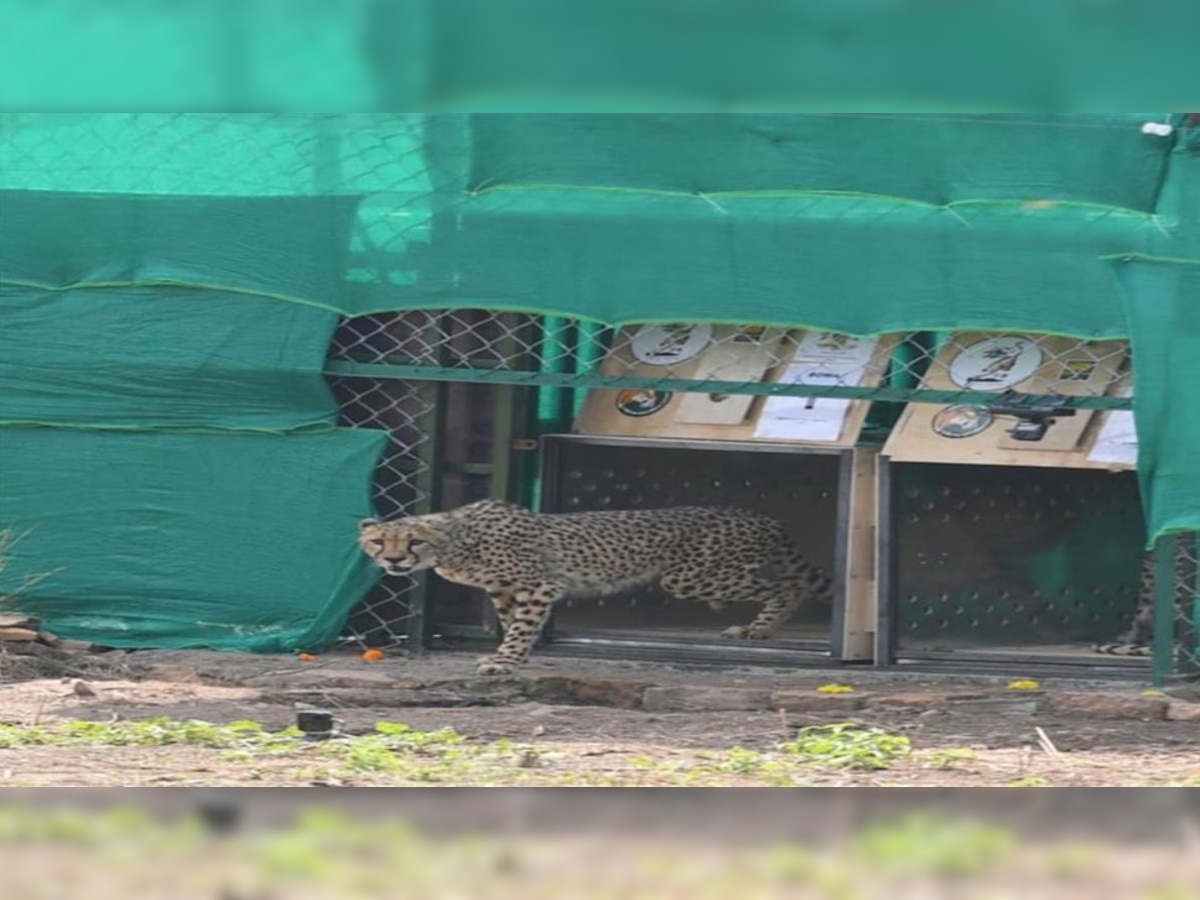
822 358
1117 442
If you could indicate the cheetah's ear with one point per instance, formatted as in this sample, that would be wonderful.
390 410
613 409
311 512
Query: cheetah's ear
363 523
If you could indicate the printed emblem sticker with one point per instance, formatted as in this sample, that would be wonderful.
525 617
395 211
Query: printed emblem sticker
749 334
1077 369
962 420
639 402
996 364
665 345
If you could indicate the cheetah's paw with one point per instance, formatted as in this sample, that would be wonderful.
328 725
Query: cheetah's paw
745 632
490 665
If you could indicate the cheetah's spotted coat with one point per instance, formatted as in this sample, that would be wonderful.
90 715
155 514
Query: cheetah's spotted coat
528 561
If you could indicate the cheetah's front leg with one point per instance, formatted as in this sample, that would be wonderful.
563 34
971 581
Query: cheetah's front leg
528 613
502 600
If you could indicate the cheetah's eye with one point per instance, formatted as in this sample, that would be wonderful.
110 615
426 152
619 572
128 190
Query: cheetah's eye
415 543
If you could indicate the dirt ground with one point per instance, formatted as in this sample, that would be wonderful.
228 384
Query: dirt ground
523 742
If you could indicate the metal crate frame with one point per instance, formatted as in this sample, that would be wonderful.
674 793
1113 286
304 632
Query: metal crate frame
714 649
1169 661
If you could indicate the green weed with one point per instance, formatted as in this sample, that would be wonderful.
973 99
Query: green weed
848 745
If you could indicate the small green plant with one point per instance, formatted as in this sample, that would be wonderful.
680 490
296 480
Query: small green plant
1029 781
848 745
1070 860
952 758
740 761
1172 892
10 598
925 845
237 736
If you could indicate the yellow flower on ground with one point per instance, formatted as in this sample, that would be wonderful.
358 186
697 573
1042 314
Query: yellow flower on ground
835 689
1024 684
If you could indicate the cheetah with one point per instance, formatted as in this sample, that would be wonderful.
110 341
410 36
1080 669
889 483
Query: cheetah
1138 639
527 562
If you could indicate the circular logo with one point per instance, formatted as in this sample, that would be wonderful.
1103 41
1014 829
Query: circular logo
665 345
638 402
962 420
996 364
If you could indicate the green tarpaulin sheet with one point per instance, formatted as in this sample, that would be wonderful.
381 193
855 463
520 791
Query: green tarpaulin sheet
225 540
168 446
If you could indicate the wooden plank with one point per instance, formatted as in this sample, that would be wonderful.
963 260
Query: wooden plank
858 633
18 634
1069 439
736 354
601 413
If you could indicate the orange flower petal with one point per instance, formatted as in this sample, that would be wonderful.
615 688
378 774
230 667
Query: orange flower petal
372 655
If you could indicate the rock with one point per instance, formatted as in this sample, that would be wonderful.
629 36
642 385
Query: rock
485 693
681 698
16 620
919 701
69 646
585 691
172 674
1182 711
1018 705
811 701
1104 706
337 678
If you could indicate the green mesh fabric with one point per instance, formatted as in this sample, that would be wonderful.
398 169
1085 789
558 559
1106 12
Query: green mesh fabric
168 446
172 539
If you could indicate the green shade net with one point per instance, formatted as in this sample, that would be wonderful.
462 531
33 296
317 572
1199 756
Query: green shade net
1164 310
185 483
921 159
225 540
856 266
163 273
132 357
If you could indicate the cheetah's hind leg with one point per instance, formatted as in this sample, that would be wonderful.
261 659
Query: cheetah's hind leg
780 600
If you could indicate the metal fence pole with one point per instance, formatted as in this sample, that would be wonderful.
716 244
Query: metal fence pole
1164 609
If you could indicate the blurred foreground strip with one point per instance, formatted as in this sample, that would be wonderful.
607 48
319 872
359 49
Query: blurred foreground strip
867 843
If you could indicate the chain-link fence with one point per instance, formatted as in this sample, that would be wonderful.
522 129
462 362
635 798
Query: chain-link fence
1173 608
929 367
1031 380
401 487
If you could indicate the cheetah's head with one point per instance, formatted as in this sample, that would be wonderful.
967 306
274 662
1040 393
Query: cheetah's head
400 546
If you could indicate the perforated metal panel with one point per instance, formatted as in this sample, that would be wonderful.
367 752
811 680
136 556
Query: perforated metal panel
1011 559
806 490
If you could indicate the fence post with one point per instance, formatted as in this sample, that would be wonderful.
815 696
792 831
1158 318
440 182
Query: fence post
1164 609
